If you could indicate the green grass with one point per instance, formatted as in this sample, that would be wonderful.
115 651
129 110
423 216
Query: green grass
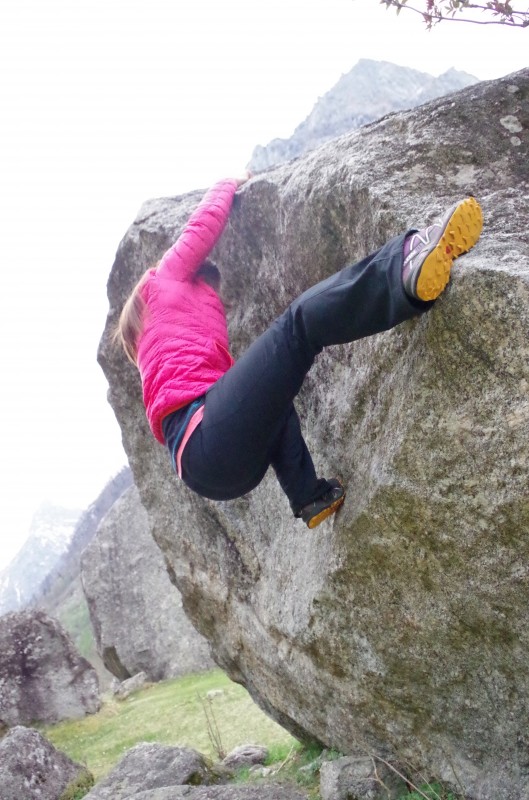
175 712
171 712
430 791
75 617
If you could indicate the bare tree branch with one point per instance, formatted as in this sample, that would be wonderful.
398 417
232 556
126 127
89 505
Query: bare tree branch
435 11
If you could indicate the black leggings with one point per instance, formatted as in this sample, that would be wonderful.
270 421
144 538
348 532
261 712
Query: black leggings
249 419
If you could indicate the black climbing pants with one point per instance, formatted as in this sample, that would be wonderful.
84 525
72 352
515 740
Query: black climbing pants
249 419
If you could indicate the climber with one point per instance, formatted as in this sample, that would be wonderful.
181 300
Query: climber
224 422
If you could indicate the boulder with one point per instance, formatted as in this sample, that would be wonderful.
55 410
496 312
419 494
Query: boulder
401 627
232 792
359 778
151 766
32 769
245 755
42 676
130 685
135 610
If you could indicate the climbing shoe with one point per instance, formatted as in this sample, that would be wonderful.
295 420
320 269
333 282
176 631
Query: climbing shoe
324 506
430 252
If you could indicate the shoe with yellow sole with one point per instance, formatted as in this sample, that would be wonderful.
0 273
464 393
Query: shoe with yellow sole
430 252
314 513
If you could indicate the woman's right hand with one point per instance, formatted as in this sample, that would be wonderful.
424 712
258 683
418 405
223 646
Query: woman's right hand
242 180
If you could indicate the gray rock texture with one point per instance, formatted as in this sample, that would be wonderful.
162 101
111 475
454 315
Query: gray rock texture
135 610
42 676
152 766
130 685
233 792
359 778
400 628
246 755
32 769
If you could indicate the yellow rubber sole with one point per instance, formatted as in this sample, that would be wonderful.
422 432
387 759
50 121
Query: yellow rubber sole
460 235
332 509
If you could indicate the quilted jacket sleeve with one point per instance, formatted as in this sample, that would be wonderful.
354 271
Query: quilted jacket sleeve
201 233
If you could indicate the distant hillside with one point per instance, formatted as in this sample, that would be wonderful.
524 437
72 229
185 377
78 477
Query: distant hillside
61 593
46 571
50 533
368 92
57 582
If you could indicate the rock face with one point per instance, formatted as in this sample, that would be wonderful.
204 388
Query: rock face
42 676
366 93
136 611
401 629
359 778
233 792
61 594
130 685
30 767
60 581
152 771
152 766
246 755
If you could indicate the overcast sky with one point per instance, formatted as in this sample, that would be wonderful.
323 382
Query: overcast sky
105 104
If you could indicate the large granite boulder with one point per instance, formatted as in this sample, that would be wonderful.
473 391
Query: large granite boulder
32 769
401 628
135 610
42 676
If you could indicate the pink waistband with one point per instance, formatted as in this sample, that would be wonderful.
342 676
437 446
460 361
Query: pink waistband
194 422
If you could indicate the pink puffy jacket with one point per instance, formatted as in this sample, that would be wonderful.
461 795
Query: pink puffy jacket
183 348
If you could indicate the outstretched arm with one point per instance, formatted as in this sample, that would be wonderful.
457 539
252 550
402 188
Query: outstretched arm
202 231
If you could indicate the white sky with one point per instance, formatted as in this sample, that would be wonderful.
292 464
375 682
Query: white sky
105 104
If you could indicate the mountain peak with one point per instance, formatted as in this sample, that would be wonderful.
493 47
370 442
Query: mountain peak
369 91
50 532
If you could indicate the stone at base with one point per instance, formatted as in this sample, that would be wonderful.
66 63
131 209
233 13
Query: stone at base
31 768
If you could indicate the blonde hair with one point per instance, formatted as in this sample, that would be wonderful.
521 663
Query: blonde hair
130 324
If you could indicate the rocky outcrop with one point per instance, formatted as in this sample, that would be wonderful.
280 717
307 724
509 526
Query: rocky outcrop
235 792
400 629
245 755
136 611
360 778
368 92
161 772
32 769
59 583
61 594
152 766
127 687
42 676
